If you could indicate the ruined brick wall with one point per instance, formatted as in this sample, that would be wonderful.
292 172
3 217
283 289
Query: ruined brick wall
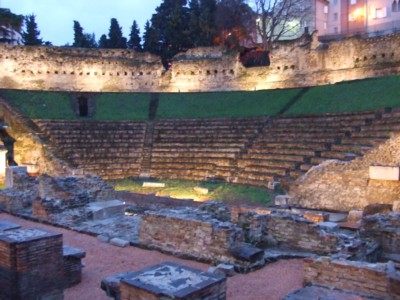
302 62
378 280
31 265
385 229
342 186
295 232
208 240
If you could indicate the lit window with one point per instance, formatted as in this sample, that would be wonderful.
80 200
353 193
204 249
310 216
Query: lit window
326 9
380 13
352 2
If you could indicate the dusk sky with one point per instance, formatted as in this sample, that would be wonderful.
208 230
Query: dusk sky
55 17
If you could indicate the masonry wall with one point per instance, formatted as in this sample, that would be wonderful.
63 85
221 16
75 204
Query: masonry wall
288 231
205 240
29 148
342 186
31 268
379 280
302 62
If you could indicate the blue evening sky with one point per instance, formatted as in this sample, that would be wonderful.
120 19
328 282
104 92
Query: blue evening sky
55 17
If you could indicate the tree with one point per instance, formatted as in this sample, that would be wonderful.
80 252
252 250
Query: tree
115 38
31 35
79 38
9 25
170 29
103 41
150 39
134 38
279 19
202 28
234 22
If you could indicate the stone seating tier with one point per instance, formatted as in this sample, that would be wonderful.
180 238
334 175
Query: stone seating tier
196 160
192 154
274 156
257 149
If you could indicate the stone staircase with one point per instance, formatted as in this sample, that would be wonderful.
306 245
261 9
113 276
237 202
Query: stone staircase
145 166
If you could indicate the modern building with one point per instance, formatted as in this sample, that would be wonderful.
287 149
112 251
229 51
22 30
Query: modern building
366 17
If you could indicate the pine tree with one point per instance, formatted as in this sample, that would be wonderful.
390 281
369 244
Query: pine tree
31 35
103 41
150 39
171 27
115 38
79 38
134 38
208 30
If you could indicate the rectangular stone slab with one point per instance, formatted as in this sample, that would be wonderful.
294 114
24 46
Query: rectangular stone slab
171 279
384 173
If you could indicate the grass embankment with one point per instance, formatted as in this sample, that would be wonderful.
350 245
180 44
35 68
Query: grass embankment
356 95
223 104
182 189
60 105
366 94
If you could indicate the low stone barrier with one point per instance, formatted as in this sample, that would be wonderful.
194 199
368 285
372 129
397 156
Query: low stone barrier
380 280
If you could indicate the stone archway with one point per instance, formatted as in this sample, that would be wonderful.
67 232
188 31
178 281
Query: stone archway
6 150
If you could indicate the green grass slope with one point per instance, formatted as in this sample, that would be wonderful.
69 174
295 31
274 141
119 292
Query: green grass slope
367 94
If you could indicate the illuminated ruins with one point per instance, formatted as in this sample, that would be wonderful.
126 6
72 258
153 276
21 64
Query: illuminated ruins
342 210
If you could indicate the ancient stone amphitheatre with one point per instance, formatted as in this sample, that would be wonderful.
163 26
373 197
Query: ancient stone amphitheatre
318 129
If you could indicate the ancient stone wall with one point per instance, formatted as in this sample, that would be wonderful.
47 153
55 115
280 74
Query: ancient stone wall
379 280
189 235
342 186
288 231
302 62
29 148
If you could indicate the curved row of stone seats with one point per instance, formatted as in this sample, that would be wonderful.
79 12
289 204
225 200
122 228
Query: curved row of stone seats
201 149
112 150
289 146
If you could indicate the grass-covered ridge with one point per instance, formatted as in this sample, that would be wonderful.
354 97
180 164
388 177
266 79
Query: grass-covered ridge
183 189
367 94
224 104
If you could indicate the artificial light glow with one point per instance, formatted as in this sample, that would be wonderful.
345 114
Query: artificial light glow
358 13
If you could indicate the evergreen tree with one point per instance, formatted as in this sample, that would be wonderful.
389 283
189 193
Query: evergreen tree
150 39
103 41
194 22
208 30
171 26
115 38
90 40
134 38
79 38
31 35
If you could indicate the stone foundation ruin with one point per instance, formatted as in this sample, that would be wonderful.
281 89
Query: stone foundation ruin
212 232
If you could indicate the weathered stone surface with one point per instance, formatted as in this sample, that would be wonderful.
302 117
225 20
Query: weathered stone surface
282 200
11 173
223 269
72 265
105 209
5 225
119 242
154 184
247 252
173 280
360 277
328 226
295 63
103 238
342 186
396 206
354 216
377 208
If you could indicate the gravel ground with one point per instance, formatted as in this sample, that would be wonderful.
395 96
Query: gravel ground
270 283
